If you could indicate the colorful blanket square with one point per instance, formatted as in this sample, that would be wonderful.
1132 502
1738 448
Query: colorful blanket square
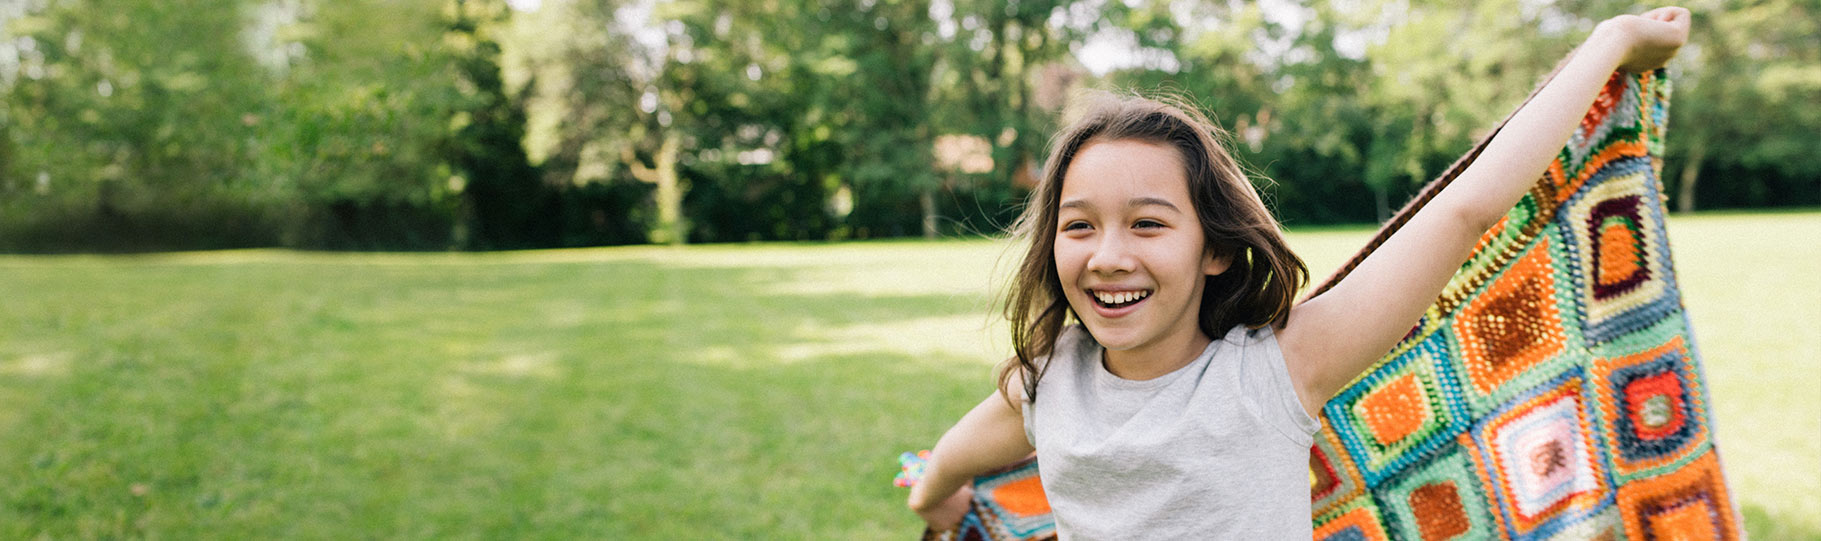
1688 503
1334 479
1401 410
1359 522
1441 498
1653 403
1542 455
1513 333
1618 251
1012 503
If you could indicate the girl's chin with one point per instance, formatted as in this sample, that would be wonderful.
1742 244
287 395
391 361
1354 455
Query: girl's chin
1127 339
1113 339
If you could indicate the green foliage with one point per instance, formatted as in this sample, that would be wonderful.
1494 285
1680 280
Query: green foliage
1745 110
358 124
465 124
511 208
359 135
119 114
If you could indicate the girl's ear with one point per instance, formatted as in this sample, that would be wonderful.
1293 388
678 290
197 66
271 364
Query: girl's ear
1213 264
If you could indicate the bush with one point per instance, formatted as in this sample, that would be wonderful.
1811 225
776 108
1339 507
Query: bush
202 224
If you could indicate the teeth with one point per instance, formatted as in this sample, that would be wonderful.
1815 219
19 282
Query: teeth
1122 297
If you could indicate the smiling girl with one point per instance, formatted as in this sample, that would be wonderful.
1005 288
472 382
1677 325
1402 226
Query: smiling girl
1164 375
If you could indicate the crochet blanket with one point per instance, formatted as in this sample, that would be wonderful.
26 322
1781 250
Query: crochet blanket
1552 391
1008 503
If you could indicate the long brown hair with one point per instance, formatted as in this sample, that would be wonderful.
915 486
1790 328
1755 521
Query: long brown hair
1258 286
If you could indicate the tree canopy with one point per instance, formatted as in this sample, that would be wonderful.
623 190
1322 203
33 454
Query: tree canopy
475 124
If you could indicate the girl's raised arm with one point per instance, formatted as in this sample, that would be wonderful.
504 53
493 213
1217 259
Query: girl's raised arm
1328 340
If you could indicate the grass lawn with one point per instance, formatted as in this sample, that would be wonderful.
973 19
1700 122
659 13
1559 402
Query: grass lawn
755 391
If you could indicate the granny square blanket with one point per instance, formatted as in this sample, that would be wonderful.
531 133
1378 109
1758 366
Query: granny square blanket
1553 391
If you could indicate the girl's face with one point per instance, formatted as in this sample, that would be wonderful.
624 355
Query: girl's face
1130 252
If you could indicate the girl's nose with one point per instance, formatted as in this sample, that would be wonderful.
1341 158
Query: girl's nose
1112 255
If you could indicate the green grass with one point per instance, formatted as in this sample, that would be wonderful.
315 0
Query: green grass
718 391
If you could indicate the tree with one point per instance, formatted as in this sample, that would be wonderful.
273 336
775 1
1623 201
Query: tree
132 119
356 142
1745 105
884 74
590 104
987 76
510 208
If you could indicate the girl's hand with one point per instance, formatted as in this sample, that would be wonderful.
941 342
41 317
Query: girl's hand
1648 40
945 515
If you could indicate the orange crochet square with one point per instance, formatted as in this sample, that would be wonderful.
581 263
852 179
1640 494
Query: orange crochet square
1687 503
1396 410
1621 253
1023 497
1514 324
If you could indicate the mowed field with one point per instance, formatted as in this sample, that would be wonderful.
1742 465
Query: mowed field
749 391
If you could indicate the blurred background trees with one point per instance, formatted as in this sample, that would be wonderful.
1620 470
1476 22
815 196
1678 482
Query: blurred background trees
483 124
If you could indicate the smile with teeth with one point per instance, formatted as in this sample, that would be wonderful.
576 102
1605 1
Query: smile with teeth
1119 299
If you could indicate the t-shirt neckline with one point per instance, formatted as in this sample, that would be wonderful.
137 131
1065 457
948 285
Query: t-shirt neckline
1096 355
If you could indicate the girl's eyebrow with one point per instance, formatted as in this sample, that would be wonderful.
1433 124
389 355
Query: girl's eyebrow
1130 203
1142 201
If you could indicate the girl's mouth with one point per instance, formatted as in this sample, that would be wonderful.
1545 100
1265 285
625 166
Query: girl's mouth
1118 299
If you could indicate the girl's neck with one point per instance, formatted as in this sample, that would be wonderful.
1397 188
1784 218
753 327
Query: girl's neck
1155 360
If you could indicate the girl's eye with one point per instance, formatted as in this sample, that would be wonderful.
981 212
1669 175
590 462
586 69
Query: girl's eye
1075 226
1148 224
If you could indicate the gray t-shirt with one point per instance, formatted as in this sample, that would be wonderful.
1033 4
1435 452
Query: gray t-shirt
1218 449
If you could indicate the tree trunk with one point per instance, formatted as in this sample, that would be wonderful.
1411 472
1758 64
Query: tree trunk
1382 202
671 229
927 199
1691 172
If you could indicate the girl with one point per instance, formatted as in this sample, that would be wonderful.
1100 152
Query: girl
1183 401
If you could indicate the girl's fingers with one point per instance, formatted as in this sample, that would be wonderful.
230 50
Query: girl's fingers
1654 36
1667 14
1667 24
